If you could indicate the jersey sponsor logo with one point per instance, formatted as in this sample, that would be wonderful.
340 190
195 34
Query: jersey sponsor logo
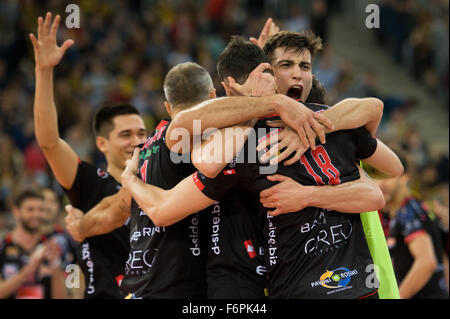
143 171
197 181
215 239
273 256
229 172
157 135
102 174
328 238
194 233
146 232
140 261
233 162
272 132
250 249
146 153
119 280
86 257
261 270
337 279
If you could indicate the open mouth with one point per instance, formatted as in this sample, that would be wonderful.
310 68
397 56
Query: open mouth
295 92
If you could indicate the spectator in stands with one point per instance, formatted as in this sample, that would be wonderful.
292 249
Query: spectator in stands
29 263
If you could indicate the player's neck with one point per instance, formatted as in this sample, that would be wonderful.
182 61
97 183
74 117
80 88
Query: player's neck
24 238
115 172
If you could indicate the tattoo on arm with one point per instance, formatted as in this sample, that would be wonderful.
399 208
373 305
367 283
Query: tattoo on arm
124 207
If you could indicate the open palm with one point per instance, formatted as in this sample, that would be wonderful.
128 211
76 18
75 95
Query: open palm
47 54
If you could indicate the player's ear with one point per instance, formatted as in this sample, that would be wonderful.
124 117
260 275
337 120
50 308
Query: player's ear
101 143
226 86
168 108
212 94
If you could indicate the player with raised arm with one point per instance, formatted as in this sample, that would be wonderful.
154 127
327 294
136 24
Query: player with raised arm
118 129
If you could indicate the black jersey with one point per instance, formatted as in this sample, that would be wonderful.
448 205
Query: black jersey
235 266
412 220
66 244
101 258
164 262
314 253
12 259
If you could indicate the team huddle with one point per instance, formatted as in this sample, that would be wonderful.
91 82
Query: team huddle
275 215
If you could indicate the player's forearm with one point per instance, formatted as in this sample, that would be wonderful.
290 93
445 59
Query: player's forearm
224 112
212 155
167 207
103 218
354 113
385 162
351 197
10 285
420 272
45 115
147 196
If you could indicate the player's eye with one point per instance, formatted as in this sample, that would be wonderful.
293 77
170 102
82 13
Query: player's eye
305 66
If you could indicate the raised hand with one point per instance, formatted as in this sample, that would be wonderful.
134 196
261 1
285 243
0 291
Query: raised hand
131 168
73 222
288 140
307 123
269 29
259 83
47 54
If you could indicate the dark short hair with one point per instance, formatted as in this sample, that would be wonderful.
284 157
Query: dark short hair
239 59
187 84
103 121
293 40
317 94
27 194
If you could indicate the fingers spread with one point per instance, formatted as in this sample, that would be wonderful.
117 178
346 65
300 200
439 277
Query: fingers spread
40 28
55 26
294 159
324 121
311 136
67 44
285 154
48 20
302 134
34 41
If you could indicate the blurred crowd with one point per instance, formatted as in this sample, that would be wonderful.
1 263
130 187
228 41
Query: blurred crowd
416 32
124 49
